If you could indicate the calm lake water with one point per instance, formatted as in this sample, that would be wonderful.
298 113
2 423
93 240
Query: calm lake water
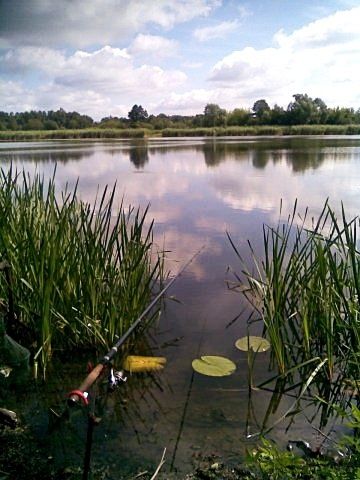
198 189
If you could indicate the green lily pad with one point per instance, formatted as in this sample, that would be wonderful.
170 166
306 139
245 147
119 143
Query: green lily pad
257 344
213 366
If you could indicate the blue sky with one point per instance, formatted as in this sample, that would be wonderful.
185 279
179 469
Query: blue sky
100 57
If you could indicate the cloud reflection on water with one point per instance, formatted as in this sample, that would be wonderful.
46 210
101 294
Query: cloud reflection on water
198 190
185 181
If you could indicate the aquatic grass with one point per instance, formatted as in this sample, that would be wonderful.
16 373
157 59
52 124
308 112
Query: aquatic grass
84 133
81 273
246 130
258 130
308 281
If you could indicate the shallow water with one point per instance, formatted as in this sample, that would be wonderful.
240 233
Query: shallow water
198 189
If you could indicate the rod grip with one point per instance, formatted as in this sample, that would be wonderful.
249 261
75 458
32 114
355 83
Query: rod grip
76 395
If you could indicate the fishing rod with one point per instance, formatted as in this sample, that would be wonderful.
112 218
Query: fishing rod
80 394
115 378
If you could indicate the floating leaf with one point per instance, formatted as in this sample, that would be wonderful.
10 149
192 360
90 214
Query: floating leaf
136 363
257 344
213 366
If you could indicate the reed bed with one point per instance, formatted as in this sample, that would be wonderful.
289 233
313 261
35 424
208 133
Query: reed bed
22 135
81 273
251 130
259 130
305 288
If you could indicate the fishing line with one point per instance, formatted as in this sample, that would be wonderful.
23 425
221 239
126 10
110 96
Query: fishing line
187 400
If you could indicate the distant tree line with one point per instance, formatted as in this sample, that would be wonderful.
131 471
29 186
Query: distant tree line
302 110
38 120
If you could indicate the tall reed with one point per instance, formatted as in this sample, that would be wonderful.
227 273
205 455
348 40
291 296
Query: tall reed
308 281
81 273
22 135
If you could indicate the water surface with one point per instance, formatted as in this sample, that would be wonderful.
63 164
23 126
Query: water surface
198 190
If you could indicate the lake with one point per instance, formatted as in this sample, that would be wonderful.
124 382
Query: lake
198 190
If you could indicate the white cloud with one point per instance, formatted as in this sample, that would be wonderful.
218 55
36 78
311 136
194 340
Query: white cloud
99 83
14 97
29 22
193 101
23 59
153 46
335 30
86 101
217 31
112 70
187 103
321 59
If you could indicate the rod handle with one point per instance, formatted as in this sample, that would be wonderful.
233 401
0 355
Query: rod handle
78 395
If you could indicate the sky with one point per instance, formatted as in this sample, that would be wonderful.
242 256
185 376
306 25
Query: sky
100 57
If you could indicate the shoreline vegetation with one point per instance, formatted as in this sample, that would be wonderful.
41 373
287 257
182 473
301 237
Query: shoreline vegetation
303 116
81 273
141 133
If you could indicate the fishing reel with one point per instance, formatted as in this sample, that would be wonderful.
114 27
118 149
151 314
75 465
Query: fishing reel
115 378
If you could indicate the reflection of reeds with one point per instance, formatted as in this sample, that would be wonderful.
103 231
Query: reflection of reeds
81 273
308 282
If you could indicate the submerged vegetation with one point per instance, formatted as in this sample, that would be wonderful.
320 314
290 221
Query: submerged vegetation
80 273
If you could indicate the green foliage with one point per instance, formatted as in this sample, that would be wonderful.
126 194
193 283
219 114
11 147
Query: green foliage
113 122
34 124
81 273
73 134
261 110
303 110
271 463
257 344
268 462
50 125
51 120
239 116
262 130
137 114
305 289
213 366
214 116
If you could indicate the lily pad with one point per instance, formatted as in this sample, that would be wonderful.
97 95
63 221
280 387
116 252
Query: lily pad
213 366
257 344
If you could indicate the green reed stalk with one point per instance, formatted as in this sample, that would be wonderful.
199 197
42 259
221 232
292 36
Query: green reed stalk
309 284
82 273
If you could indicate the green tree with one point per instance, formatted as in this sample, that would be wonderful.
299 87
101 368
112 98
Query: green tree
261 111
12 123
341 116
50 125
239 116
214 116
278 116
113 122
137 114
304 110
34 124
160 121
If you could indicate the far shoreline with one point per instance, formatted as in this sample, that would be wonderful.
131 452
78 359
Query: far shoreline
142 133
